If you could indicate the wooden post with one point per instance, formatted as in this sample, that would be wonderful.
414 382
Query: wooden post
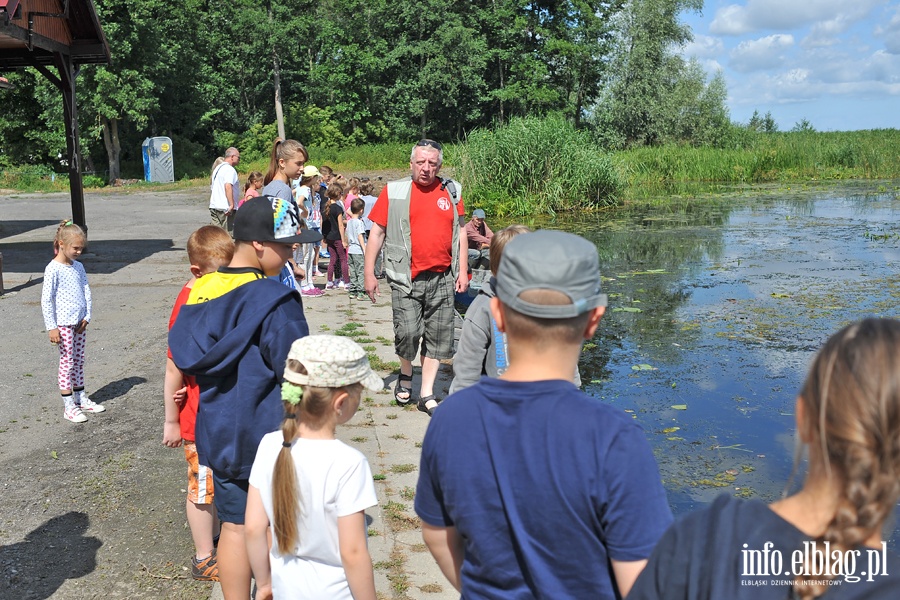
67 75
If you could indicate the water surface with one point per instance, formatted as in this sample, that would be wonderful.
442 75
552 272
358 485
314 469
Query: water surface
716 308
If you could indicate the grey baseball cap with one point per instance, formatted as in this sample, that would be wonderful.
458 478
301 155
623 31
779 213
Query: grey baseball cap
478 213
554 260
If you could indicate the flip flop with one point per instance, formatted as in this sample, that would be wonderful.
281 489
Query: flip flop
401 389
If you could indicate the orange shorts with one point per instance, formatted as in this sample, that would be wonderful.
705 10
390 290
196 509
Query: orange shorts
200 480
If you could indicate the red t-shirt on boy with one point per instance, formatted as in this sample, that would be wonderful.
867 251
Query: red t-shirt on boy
187 411
431 223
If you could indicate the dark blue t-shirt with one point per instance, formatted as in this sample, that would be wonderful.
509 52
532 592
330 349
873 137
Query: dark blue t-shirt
717 552
545 484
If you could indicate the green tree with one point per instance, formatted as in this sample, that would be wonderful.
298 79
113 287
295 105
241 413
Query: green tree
649 81
31 130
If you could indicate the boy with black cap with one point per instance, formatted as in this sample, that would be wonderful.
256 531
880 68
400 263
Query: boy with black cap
529 488
233 335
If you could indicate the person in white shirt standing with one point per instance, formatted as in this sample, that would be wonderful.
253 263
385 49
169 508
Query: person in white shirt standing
225 191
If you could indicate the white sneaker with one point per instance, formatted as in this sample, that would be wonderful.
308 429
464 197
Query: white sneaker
86 404
73 413
341 285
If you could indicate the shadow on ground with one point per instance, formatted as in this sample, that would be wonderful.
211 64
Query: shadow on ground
101 256
114 389
11 228
59 542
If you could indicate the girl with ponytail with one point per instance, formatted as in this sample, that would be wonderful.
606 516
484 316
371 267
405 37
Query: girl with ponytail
310 487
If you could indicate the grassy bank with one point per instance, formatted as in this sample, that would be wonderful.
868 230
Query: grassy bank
540 166
778 157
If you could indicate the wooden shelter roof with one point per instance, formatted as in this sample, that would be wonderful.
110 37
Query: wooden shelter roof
32 31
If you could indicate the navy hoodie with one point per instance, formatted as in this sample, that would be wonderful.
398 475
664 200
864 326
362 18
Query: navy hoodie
236 346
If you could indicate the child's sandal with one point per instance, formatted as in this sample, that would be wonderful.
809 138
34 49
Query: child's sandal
401 390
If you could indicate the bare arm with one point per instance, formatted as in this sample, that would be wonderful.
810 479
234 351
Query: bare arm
173 383
355 556
462 280
627 573
373 247
448 550
229 195
256 527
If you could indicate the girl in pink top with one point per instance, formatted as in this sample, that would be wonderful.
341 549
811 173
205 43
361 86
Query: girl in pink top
252 187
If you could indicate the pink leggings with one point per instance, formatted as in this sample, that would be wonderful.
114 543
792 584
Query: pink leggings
71 358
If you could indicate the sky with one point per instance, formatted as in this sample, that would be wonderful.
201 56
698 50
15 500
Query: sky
835 63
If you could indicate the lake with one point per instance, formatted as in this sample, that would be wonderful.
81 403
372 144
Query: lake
716 307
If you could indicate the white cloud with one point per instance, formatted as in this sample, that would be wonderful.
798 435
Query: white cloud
704 46
761 54
830 16
890 33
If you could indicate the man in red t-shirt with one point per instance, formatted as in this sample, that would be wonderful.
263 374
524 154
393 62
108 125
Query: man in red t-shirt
423 310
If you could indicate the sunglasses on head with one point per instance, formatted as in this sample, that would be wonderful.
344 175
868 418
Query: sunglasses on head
431 143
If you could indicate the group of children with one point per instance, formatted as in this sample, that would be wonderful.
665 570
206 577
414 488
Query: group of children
327 203
528 487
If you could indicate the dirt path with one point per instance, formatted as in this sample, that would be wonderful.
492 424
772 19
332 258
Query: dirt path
97 510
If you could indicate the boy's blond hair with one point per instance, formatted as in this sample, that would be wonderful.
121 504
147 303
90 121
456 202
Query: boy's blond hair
209 248
499 241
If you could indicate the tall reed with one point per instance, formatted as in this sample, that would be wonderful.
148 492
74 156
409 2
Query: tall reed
534 166
784 157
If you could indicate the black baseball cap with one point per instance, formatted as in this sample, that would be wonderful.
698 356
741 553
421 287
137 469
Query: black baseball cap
271 219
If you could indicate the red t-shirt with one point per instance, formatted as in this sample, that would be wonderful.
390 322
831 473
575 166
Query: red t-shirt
187 411
431 223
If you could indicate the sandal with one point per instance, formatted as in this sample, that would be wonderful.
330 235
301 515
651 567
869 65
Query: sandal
422 404
403 390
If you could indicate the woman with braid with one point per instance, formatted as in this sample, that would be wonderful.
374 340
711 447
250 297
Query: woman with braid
311 487
827 540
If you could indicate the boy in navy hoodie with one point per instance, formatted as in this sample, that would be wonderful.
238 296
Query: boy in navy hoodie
233 336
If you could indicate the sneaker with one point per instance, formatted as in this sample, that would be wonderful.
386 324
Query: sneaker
330 285
73 413
324 254
206 569
311 292
88 405
341 285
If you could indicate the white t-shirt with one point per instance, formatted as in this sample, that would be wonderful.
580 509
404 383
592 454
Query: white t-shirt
354 228
334 481
223 174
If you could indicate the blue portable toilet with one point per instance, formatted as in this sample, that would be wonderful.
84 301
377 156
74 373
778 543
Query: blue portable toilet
159 165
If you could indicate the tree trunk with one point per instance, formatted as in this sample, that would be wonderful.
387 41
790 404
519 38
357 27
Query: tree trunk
276 80
113 149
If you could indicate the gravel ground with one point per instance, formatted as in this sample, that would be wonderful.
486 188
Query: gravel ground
97 509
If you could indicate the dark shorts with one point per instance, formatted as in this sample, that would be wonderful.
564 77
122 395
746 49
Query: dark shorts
425 315
231 499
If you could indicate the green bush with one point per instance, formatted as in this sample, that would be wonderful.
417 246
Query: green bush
533 166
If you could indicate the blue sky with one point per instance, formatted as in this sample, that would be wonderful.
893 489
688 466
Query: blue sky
835 63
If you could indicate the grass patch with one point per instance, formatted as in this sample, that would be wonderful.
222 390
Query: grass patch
403 468
408 493
359 439
397 518
391 416
398 436
378 364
